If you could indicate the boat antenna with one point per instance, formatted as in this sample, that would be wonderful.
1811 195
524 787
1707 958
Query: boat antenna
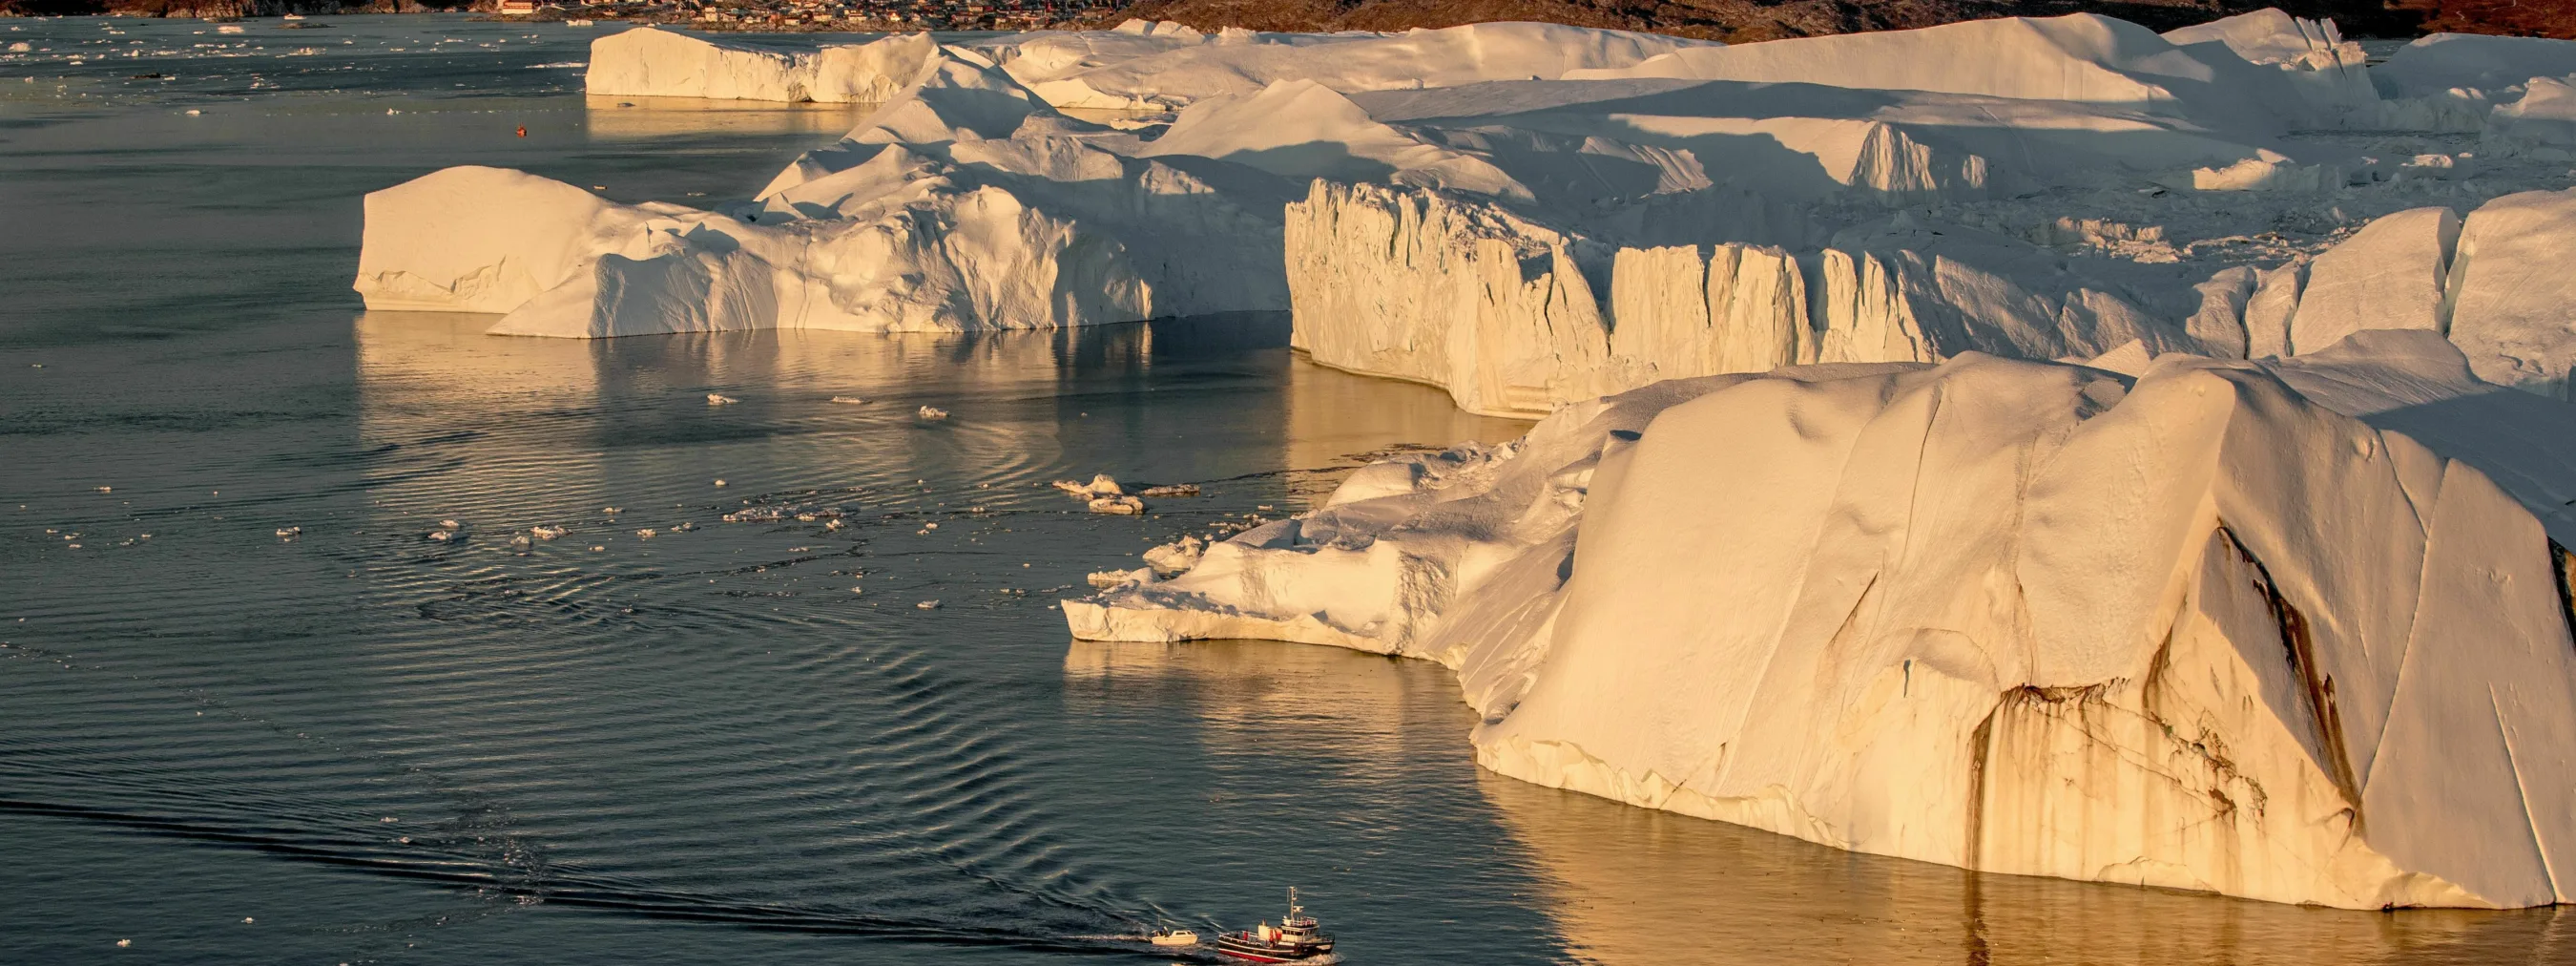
1293 907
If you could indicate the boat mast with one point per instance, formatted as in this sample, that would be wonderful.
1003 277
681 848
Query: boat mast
1293 907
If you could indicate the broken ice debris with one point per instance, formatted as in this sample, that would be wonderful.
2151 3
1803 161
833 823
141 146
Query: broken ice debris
646 533
1119 505
1176 489
1102 484
1172 558
928 605
720 399
1113 579
851 400
546 532
933 413
289 531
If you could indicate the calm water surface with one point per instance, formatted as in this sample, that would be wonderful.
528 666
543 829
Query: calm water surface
740 742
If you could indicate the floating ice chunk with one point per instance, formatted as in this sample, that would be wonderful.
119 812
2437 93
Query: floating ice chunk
290 531
927 605
2541 125
720 483
2268 170
2441 63
849 400
1170 489
1172 558
1117 505
718 399
932 413
1102 484
2388 276
647 533
2510 302
546 532
1114 579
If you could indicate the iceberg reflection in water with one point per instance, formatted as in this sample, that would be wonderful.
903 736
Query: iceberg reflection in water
1630 885
1624 886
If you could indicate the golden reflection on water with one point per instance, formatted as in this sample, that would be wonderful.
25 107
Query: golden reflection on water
1636 886
1359 710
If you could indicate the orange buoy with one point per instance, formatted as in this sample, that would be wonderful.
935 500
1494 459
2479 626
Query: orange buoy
523 130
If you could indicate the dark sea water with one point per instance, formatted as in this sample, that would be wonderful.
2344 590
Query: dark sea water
356 745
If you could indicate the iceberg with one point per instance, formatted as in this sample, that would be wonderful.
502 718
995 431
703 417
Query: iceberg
1903 196
649 62
2319 653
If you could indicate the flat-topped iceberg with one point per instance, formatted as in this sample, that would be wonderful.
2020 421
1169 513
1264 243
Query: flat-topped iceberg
2289 631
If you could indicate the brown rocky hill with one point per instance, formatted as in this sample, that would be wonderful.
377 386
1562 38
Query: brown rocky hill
1749 20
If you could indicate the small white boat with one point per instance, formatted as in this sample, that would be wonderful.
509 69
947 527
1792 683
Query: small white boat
576 23
1169 936
293 16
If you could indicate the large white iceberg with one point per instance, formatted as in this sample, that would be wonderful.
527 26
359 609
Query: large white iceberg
649 62
2290 631
2045 188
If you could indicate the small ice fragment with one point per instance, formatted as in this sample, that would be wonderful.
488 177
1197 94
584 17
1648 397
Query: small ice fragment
107 489
246 920
858 590
684 528
595 548
450 525
521 541
122 943
1119 505
1172 558
930 526
928 605
720 399
1112 579
933 413
646 533
612 509
389 819
1102 484
1176 489
832 524
289 531
192 112
443 536
851 400
1261 506
546 532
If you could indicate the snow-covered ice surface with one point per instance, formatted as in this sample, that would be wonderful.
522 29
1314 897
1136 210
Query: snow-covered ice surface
1530 215
2291 630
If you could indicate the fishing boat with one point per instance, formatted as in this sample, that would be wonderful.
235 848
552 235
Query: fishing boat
1297 936
1172 936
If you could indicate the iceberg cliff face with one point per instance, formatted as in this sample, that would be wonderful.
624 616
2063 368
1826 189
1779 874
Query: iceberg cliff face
1515 318
647 62
560 261
2194 629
